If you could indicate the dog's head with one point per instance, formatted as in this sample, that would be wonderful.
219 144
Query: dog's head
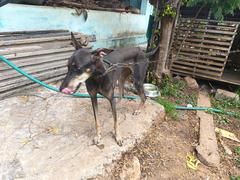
82 64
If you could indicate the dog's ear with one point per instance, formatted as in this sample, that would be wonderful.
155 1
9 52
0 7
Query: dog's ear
99 53
76 44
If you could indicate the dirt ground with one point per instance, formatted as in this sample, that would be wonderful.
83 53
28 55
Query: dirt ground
162 153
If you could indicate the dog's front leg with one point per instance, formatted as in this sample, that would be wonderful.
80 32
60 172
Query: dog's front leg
98 137
117 135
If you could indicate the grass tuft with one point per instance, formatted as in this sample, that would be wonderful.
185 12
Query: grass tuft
176 90
169 107
227 105
237 150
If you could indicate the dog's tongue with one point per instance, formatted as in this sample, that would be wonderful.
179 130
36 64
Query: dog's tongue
67 91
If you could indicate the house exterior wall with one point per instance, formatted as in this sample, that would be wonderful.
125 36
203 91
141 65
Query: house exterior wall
112 29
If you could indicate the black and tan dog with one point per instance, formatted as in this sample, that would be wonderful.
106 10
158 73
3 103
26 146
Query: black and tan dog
88 66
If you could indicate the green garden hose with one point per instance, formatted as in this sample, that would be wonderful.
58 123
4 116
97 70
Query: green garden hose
12 65
205 109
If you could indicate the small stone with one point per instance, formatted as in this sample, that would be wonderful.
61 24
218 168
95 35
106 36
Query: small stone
131 170
177 78
191 82
221 94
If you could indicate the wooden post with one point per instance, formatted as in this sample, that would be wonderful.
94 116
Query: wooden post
167 27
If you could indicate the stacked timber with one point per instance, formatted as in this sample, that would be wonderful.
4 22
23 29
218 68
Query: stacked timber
43 54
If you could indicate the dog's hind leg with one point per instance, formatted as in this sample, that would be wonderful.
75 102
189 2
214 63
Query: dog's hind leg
123 76
97 137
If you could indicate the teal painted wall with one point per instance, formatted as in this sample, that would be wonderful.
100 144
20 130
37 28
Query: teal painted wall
111 29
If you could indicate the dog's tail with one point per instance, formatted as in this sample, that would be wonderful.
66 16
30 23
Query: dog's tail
151 53
76 44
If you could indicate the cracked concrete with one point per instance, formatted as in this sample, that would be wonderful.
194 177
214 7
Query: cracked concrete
50 136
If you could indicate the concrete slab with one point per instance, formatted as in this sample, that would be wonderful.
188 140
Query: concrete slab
207 150
51 137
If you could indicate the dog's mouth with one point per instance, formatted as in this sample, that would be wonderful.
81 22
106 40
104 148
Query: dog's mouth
74 84
68 91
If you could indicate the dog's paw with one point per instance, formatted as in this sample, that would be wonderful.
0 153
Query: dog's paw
119 140
97 140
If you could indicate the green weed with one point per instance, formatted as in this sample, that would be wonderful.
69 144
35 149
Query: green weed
169 107
237 150
238 91
234 177
170 89
237 162
227 105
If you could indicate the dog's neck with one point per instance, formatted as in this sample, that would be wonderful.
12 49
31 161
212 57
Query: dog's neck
101 69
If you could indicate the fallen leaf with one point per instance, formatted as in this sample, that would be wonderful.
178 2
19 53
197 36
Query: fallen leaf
192 162
226 134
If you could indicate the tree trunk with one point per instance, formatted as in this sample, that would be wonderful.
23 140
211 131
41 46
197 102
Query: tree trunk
167 27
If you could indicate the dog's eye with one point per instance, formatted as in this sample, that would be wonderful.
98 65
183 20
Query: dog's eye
88 70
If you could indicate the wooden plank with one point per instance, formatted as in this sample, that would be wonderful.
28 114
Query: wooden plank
212 53
202 46
203 57
89 38
192 60
203 35
34 40
42 54
204 30
185 73
227 23
33 69
39 53
43 45
204 41
37 61
217 69
26 36
231 77
207 26
195 70
28 87
15 83
197 24
13 50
